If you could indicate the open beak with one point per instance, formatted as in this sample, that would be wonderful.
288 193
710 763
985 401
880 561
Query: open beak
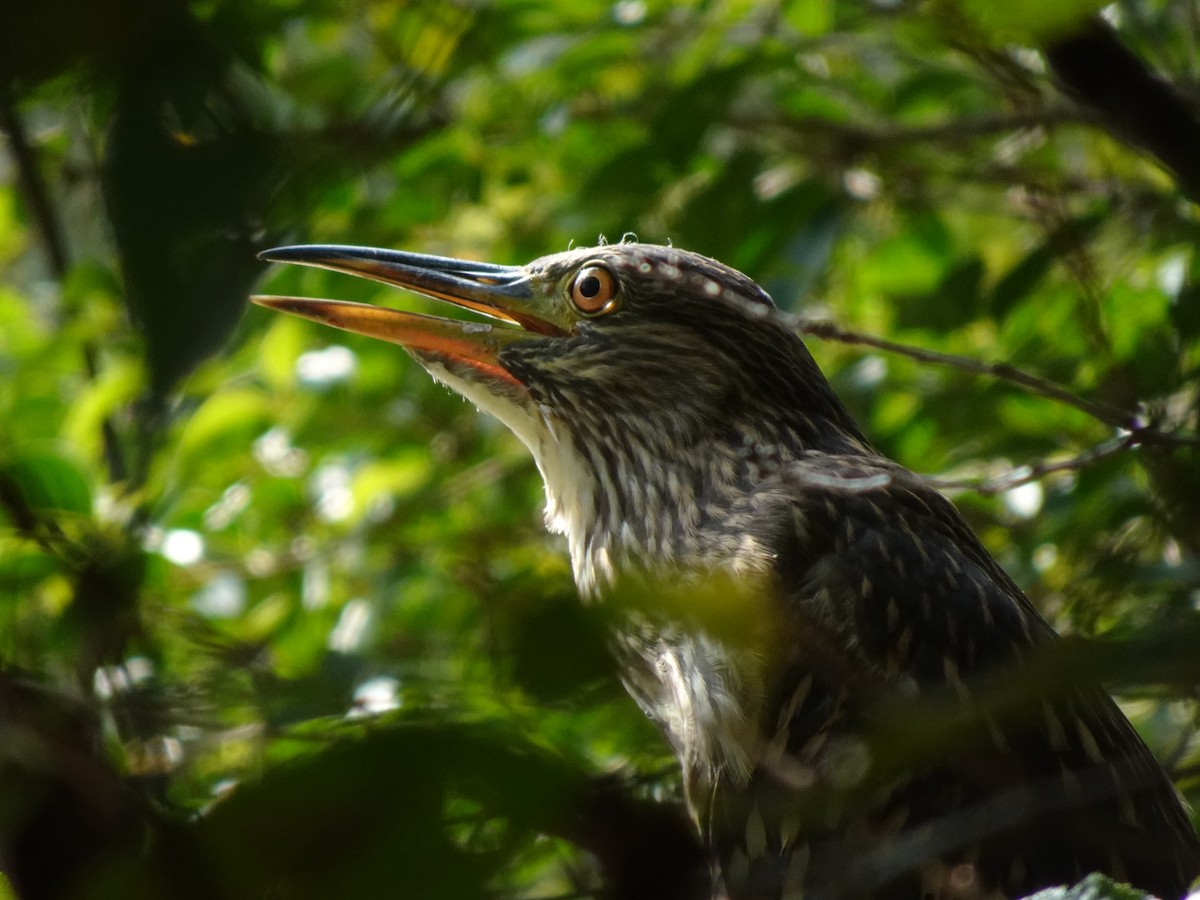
500 292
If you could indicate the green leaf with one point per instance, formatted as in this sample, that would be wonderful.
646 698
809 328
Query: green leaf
1024 277
953 303
1030 20
1094 887
1185 312
47 482
20 572
229 414
810 17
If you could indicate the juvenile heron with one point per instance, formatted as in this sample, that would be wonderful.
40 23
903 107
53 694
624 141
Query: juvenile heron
686 437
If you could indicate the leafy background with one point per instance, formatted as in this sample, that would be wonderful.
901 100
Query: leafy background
278 616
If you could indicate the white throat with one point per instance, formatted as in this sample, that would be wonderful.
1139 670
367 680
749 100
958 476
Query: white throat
569 482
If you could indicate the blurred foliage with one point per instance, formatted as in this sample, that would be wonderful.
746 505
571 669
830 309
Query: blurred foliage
1094 887
278 615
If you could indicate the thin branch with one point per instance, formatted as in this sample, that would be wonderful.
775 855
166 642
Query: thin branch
952 132
1103 412
50 232
998 484
1128 421
37 198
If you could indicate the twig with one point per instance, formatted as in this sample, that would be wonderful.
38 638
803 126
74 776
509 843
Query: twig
953 131
1127 421
37 198
998 484
1132 424
1109 415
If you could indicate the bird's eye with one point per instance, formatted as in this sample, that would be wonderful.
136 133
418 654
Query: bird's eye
594 290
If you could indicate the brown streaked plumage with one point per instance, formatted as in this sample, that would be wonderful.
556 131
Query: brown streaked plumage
691 447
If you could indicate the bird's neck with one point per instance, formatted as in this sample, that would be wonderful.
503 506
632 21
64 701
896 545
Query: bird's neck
650 508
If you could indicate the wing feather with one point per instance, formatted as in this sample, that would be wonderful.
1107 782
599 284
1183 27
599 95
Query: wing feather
892 599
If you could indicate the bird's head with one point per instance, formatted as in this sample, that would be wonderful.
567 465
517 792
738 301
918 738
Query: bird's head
638 375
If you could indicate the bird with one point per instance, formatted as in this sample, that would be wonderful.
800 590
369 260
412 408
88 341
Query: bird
814 593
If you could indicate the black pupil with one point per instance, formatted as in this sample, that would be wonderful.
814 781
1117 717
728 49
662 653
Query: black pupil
589 287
